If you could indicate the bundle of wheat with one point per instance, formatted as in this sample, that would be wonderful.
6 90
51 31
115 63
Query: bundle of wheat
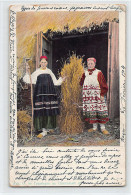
70 119
23 125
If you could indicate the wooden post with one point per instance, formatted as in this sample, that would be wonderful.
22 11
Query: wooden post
38 48
32 114
113 70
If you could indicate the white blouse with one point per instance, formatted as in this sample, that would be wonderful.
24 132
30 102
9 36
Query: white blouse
39 71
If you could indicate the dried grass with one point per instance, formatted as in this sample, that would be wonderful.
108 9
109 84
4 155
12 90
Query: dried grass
23 125
70 119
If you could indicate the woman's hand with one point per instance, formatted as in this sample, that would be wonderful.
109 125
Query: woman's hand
102 98
64 78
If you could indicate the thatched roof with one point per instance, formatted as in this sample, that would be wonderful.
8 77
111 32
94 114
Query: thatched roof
29 23
84 31
42 21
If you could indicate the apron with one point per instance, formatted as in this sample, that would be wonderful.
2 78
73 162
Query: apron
94 109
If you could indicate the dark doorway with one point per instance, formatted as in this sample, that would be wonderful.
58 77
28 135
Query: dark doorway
93 45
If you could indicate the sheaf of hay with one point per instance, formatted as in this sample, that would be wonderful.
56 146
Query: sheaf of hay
70 118
23 125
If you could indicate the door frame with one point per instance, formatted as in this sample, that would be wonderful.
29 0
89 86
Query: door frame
39 49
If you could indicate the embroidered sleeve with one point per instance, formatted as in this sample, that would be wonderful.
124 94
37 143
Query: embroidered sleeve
102 83
34 75
82 79
55 81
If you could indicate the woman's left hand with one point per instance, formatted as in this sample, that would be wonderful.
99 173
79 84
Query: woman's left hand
102 98
64 78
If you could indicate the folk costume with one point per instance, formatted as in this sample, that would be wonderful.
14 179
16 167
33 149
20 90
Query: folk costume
45 98
94 86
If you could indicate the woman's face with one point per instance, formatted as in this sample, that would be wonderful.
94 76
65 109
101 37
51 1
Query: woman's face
43 63
91 64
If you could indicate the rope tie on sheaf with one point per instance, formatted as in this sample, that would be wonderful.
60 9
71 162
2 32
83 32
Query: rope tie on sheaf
78 105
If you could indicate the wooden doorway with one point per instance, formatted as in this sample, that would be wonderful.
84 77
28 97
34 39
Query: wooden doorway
94 45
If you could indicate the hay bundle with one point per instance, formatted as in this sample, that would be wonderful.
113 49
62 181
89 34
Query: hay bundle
70 118
23 125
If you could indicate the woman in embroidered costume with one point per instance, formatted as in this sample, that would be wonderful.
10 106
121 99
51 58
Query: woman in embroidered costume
45 101
94 89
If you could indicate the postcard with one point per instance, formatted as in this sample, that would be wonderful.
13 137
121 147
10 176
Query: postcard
67 95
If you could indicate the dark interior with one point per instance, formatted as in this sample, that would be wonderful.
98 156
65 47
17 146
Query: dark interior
94 45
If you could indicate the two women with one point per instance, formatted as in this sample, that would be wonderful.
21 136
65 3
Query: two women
45 98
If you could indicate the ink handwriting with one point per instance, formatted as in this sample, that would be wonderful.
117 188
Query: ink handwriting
81 166
13 81
122 138
123 90
25 8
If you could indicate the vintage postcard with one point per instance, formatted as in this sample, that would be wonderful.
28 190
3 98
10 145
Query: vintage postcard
67 95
